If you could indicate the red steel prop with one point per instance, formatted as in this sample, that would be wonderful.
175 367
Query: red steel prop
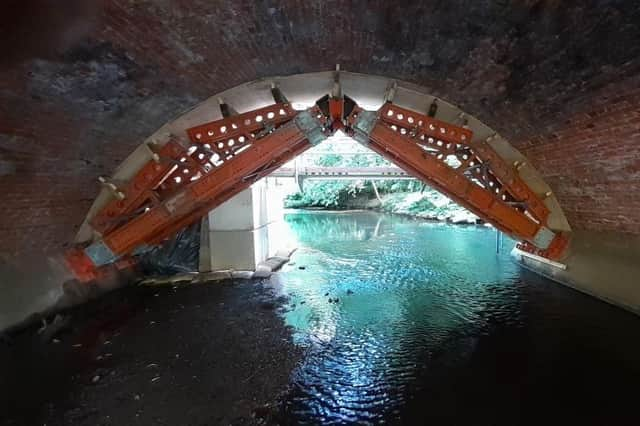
181 183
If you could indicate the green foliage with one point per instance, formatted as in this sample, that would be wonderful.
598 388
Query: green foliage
329 160
400 185
331 194
355 160
391 202
295 201
334 194
422 205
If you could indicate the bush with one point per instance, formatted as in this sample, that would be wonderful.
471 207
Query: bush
421 206
326 194
335 194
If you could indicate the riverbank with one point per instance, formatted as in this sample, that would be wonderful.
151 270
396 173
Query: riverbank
424 204
214 353
428 204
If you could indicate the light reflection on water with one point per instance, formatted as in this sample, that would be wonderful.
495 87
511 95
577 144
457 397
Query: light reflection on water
416 302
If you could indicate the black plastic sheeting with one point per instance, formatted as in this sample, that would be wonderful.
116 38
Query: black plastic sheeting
179 254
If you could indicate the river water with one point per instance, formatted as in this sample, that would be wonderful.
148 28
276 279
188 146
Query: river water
412 322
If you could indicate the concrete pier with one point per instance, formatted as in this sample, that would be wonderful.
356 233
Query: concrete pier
236 235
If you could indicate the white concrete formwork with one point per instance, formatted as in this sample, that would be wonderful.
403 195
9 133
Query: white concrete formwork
239 229
302 90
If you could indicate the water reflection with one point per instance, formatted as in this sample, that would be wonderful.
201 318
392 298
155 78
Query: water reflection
336 226
393 310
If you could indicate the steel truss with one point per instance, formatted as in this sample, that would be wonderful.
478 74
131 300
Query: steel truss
182 181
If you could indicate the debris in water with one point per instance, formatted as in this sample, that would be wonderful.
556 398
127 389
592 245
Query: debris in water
59 324
155 379
95 379
172 280
152 365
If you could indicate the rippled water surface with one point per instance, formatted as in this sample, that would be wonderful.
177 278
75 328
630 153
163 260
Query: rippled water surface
412 322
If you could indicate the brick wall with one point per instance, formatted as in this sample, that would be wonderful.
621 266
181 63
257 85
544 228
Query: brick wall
81 85
591 158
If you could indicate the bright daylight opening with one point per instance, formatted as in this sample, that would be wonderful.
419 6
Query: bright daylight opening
341 173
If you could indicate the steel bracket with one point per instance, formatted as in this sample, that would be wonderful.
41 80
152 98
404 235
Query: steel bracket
100 254
543 238
364 124
312 129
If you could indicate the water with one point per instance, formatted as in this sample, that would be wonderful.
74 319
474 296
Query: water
432 326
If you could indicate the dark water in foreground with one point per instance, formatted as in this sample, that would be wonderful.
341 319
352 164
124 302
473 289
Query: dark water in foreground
432 326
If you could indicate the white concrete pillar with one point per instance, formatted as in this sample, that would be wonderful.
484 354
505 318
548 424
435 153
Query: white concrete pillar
238 230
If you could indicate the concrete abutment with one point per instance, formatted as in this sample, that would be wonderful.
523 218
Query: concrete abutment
604 265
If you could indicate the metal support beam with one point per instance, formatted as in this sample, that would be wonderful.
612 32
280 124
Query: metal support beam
180 184
471 173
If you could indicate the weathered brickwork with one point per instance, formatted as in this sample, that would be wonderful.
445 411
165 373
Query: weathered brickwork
591 158
81 85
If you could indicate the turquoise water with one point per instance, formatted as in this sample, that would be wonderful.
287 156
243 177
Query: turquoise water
406 321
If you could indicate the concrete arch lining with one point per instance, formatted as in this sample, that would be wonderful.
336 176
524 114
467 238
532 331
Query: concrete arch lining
302 90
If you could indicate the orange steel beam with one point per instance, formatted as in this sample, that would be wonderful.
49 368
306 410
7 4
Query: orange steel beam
137 192
179 184
471 173
203 195
412 158
235 126
194 199
173 166
457 141
233 190
218 141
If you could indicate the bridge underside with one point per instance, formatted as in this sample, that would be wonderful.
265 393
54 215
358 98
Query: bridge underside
195 168
83 84
206 156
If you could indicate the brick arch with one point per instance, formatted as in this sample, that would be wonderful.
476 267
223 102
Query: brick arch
560 81
203 158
